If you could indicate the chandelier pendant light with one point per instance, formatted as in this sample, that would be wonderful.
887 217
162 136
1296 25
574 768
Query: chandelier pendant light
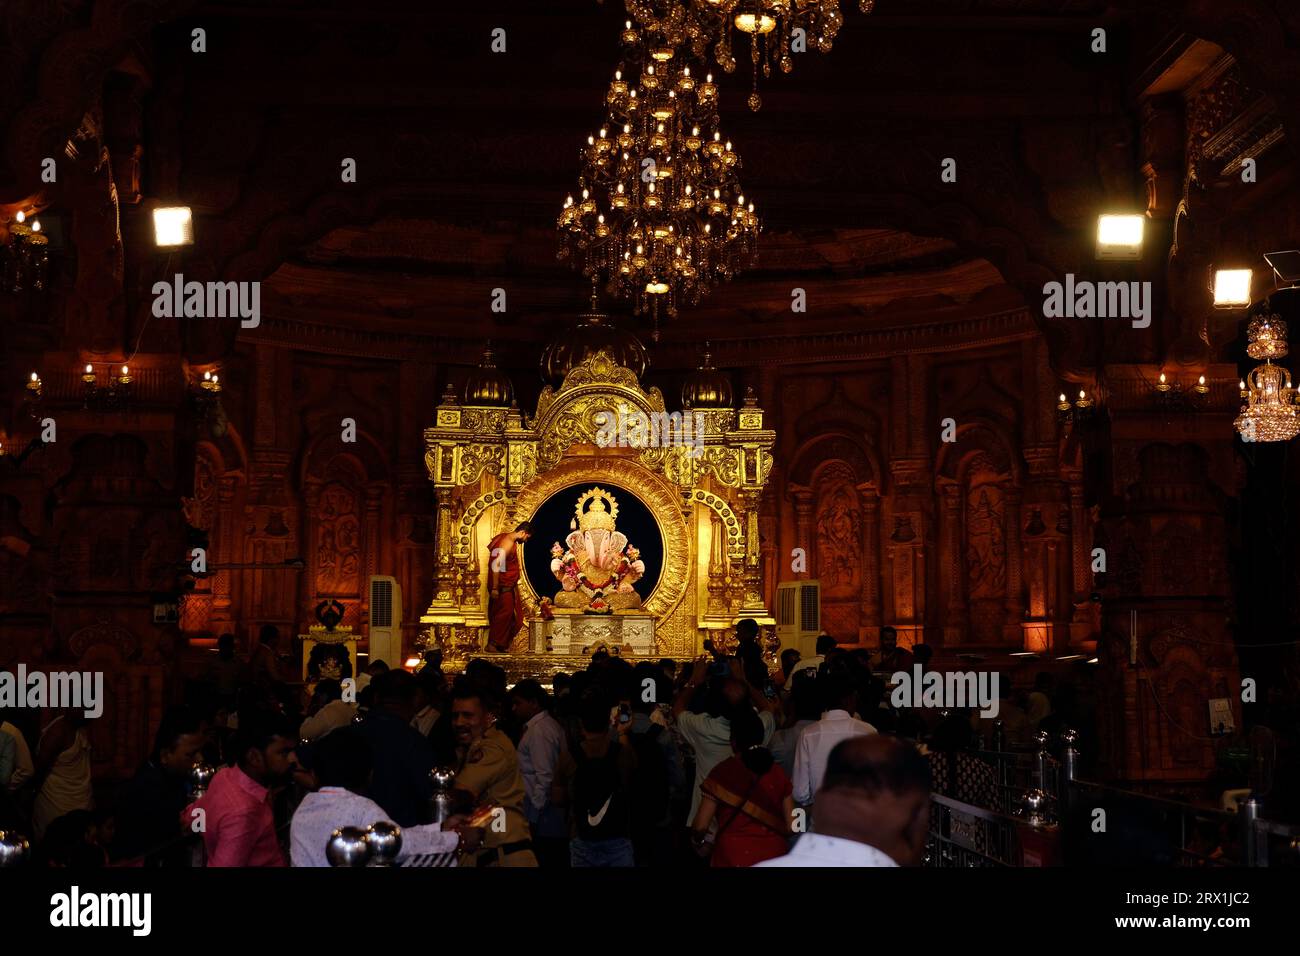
1270 412
659 217
776 29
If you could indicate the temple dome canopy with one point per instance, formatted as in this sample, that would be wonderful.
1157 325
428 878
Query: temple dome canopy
707 387
488 385
593 332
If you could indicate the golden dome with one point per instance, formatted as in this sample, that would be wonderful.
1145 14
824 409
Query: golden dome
593 332
707 387
487 385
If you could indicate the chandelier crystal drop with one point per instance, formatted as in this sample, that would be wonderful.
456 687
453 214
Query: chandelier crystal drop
776 29
1270 412
659 216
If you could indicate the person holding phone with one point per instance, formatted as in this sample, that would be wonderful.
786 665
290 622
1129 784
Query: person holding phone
595 782
709 733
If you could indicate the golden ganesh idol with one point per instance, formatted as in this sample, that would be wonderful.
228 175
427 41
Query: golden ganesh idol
599 560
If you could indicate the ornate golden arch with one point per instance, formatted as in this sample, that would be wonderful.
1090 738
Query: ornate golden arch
655 493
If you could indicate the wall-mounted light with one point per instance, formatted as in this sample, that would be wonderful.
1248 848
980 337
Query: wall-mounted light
1078 411
1173 396
115 396
24 259
1232 288
1120 237
173 226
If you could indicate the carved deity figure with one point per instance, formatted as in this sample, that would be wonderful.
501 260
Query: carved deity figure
599 560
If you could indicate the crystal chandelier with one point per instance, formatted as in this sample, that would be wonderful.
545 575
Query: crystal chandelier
1270 412
770 24
660 217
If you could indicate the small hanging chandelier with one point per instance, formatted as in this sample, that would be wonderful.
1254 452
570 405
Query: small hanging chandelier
770 24
1270 412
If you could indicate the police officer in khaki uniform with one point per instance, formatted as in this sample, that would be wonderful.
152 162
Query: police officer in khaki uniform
489 773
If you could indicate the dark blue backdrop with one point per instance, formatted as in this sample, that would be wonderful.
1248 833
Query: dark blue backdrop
551 524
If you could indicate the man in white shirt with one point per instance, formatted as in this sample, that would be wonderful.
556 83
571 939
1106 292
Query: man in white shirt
816 741
709 733
329 711
540 747
873 808
340 763
825 644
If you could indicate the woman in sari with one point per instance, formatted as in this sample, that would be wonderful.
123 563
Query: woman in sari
749 797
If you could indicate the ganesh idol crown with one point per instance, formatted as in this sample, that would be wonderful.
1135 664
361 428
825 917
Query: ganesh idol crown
599 568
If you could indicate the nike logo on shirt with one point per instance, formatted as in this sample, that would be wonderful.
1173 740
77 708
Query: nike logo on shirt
595 821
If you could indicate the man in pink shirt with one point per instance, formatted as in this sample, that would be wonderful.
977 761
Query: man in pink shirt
235 815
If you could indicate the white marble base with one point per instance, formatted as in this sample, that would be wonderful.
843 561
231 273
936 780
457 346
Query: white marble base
569 633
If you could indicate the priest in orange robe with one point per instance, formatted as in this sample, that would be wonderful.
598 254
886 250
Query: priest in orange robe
505 610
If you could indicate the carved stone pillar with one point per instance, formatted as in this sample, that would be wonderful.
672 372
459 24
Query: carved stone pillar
1166 645
1015 556
870 559
1080 541
307 580
226 551
373 543
803 514
955 630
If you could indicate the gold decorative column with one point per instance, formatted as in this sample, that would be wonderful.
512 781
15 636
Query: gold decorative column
717 586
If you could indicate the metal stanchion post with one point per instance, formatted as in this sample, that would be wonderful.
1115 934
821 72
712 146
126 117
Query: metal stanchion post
1248 810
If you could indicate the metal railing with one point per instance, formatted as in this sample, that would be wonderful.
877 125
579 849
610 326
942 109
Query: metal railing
1045 814
963 835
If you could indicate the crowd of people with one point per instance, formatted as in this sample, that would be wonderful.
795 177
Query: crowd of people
712 762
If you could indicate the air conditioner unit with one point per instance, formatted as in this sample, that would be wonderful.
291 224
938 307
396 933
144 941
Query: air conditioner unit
799 615
385 621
